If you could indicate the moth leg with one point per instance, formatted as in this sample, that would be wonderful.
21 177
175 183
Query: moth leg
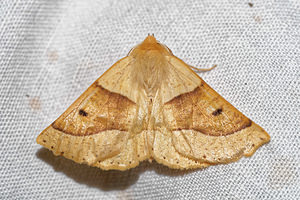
202 70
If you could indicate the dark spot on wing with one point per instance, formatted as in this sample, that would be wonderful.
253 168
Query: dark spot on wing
83 113
217 112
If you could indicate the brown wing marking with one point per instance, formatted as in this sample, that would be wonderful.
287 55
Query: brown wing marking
205 111
94 128
99 111
207 128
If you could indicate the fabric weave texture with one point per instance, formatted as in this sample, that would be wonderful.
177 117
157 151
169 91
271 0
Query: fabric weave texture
51 51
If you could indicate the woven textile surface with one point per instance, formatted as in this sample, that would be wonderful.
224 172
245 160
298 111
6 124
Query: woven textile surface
51 51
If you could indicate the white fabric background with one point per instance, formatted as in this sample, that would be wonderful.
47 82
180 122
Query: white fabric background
51 51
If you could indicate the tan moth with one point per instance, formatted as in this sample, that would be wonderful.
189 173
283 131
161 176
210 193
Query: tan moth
151 105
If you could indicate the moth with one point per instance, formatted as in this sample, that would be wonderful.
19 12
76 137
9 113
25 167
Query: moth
150 105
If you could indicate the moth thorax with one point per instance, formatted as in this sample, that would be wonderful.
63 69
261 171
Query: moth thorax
152 71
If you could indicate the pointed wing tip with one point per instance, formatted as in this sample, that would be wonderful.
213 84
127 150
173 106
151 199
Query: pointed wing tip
262 137
39 139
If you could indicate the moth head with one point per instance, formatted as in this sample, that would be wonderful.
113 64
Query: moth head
150 45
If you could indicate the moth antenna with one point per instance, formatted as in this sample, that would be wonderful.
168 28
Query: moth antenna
202 70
